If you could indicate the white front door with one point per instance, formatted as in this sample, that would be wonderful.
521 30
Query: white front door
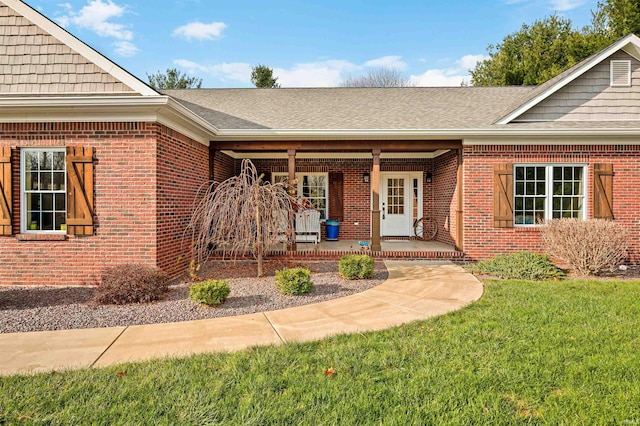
399 195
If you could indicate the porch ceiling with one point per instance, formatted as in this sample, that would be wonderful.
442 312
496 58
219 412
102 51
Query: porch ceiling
338 146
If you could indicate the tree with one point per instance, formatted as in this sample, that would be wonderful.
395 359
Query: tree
241 215
535 53
378 77
617 18
173 79
262 77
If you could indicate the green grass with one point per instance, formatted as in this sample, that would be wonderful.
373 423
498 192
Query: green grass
527 352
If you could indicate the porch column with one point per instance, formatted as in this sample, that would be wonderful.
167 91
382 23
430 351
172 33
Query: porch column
375 208
460 210
291 155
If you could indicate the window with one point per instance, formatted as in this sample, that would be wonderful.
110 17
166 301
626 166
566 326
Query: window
545 191
313 187
43 190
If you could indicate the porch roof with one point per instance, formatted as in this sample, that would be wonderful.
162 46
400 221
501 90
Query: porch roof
404 108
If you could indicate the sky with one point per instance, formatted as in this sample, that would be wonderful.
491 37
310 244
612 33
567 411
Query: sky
306 43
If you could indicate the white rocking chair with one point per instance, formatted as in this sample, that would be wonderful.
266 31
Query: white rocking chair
308 226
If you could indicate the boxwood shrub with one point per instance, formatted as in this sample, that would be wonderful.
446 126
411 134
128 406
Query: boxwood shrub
356 266
210 292
294 281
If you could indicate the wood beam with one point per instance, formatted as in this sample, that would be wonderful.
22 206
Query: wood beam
339 146
375 208
460 207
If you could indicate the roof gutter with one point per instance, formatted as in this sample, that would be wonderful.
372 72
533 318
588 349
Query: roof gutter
161 109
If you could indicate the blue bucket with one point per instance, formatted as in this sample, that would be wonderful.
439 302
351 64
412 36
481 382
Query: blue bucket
333 228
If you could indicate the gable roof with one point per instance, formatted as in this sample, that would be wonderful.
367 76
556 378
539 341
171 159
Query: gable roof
350 108
630 44
39 57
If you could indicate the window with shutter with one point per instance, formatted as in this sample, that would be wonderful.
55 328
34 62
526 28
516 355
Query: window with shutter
80 190
603 191
503 196
5 191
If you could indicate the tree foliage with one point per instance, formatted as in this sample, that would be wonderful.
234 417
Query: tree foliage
241 215
378 77
262 77
617 18
173 79
534 54
542 50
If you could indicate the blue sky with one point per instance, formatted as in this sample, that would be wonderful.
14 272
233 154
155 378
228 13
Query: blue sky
307 43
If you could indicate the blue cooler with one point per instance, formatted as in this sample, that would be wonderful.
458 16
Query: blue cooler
333 228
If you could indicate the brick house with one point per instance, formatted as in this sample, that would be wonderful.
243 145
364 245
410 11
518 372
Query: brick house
98 169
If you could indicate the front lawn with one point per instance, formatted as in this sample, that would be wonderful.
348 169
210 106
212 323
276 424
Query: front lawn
527 352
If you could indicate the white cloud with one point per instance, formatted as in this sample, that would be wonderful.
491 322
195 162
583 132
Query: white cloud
236 71
388 62
95 16
199 31
126 49
564 5
555 5
315 74
450 76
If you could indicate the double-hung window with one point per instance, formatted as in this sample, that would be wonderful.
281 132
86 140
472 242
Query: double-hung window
543 192
312 186
43 190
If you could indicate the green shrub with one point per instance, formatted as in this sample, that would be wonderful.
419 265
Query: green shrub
521 265
210 292
294 281
130 283
356 266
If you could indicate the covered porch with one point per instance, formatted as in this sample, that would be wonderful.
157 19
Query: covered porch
375 189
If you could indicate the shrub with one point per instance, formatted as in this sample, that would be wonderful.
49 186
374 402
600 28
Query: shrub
521 265
130 283
356 266
294 281
587 246
210 292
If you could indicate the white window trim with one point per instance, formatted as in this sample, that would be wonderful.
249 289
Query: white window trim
299 189
24 228
611 67
548 205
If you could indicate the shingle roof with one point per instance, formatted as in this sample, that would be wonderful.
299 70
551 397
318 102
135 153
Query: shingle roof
350 108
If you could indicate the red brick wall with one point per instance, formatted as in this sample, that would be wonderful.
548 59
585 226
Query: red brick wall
136 163
481 239
223 167
183 171
126 213
445 196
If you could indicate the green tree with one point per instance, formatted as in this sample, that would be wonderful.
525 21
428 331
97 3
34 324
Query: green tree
535 53
262 77
617 18
173 79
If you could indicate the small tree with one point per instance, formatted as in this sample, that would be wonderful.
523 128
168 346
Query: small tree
378 77
173 79
241 215
262 77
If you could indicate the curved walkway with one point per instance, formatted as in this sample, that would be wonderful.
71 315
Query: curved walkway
415 290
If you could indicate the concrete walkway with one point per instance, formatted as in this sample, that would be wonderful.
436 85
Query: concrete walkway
415 290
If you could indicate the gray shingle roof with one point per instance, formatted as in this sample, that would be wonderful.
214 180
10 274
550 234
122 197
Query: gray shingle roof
350 108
